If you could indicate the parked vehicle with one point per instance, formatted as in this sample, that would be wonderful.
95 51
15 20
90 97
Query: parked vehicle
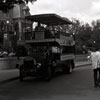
48 51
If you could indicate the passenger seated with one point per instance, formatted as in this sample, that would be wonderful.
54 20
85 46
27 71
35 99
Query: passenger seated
39 28
48 33
39 32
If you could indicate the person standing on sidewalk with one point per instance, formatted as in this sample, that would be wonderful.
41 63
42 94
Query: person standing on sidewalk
95 59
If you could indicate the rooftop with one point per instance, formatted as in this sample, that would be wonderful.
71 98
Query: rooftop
49 19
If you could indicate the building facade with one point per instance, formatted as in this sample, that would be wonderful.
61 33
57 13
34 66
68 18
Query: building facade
6 27
12 26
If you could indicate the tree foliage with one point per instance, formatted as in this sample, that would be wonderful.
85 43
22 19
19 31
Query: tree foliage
86 35
6 5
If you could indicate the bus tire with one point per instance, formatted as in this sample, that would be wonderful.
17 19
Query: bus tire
21 74
69 68
48 74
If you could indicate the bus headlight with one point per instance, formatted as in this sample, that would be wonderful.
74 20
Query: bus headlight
38 65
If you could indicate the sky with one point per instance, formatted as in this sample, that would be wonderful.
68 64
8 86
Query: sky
84 10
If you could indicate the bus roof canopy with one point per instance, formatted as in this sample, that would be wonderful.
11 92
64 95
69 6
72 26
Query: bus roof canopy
49 19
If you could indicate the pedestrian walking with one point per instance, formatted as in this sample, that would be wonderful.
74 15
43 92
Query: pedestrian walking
95 59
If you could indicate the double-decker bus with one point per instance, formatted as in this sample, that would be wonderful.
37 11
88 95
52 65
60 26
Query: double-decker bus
49 49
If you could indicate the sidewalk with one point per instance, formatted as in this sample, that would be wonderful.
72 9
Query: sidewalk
12 74
8 75
82 63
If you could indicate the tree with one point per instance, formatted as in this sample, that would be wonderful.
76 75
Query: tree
82 33
86 35
96 33
6 5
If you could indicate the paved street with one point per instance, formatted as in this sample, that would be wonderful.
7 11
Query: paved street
76 86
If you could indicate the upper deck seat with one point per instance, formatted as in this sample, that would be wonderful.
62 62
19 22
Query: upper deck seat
47 34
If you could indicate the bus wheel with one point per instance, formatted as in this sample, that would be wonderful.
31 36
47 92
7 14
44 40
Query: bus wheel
69 69
64 69
48 74
21 74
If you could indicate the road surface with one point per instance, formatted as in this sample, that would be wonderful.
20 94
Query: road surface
76 86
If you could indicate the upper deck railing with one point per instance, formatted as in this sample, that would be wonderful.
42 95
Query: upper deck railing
47 26
37 35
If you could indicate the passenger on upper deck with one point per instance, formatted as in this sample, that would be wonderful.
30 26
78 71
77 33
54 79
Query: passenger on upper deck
39 31
48 33
39 28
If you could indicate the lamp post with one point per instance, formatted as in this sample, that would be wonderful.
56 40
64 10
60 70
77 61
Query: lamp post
7 25
8 35
7 22
94 42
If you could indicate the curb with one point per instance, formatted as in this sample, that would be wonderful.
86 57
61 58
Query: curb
82 65
8 80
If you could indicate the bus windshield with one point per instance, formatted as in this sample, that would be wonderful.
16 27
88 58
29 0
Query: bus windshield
38 52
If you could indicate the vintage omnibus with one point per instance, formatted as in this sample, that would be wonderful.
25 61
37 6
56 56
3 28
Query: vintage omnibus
49 49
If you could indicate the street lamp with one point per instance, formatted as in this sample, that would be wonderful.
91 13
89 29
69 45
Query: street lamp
7 21
94 42
7 25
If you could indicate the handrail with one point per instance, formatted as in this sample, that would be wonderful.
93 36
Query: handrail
46 34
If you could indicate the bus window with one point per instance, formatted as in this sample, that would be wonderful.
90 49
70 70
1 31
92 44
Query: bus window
55 53
55 50
67 49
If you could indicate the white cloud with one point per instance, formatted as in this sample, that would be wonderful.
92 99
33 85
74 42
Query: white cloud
95 9
85 10
47 6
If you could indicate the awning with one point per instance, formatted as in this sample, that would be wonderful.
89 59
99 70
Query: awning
49 19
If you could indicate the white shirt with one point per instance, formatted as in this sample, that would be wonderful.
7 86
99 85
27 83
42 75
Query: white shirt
95 58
